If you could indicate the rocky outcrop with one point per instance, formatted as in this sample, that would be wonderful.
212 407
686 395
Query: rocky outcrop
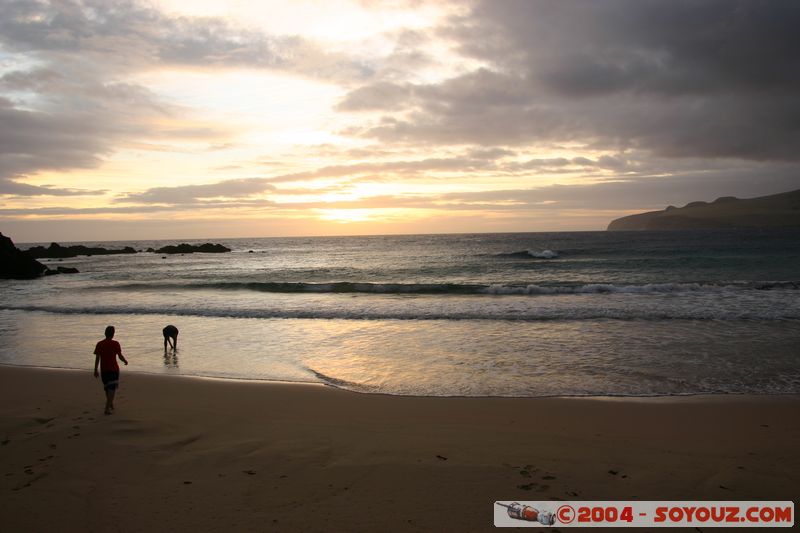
56 251
184 248
775 211
16 264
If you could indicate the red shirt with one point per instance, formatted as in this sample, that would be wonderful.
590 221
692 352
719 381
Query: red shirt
108 349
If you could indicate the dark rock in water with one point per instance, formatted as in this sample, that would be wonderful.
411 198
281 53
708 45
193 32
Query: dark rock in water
55 250
150 250
61 270
16 264
184 248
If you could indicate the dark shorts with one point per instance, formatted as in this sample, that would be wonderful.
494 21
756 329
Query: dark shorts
110 380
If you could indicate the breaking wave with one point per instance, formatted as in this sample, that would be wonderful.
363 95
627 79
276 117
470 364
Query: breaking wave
498 289
341 383
537 254
466 312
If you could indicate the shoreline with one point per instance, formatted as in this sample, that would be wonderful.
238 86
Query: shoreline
224 455
705 396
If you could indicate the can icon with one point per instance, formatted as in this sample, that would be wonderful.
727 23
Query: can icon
529 514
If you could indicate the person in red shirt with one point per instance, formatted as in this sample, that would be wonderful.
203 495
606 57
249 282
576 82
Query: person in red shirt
106 353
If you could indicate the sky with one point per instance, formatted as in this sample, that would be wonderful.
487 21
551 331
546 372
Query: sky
124 120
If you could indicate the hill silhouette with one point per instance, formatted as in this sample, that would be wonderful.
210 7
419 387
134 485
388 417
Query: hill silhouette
774 211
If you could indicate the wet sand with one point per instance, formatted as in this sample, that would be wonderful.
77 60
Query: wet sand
187 454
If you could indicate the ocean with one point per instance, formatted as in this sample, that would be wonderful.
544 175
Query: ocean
523 314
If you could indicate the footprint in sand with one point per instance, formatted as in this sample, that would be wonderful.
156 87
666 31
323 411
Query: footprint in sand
533 486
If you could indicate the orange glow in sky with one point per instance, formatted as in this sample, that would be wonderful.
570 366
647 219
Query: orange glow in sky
209 118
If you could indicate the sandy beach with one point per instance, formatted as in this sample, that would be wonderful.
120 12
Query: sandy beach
185 454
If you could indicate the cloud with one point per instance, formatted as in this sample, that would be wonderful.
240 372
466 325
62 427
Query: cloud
712 78
31 141
638 192
607 199
75 122
605 179
192 194
646 102
65 103
126 35
381 95
14 188
248 187
647 46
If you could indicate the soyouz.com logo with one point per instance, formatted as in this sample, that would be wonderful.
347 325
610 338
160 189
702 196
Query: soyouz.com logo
644 514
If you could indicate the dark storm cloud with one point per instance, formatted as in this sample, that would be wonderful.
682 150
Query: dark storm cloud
671 48
706 78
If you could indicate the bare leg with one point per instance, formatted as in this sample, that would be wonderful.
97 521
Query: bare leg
110 401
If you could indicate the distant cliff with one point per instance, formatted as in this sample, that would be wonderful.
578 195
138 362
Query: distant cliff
778 210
